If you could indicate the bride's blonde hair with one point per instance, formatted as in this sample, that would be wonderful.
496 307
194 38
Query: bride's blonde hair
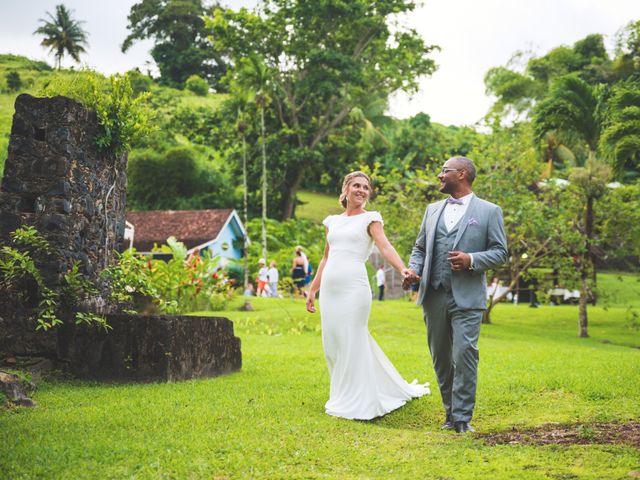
349 177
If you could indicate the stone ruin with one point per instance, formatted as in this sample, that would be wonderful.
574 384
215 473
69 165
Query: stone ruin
74 194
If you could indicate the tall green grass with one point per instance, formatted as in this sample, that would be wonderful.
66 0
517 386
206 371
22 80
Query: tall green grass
267 421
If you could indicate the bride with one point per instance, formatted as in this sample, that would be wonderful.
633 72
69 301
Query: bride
364 383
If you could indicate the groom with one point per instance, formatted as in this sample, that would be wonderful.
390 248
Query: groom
460 238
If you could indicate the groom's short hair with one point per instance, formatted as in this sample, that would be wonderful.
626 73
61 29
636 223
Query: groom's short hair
468 166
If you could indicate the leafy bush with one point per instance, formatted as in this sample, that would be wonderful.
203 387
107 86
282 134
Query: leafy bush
14 82
197 124
180 178
21 280
139 81
182 284
124 118
197 85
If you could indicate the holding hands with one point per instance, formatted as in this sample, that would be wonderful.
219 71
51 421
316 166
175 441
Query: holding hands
459 261
409 277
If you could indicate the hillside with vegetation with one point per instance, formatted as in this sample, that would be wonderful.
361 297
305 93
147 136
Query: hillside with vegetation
265 111
559 150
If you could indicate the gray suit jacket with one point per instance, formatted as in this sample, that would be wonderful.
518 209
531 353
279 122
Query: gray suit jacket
481 233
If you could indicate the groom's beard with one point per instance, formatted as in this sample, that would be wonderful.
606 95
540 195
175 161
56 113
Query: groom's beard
445 188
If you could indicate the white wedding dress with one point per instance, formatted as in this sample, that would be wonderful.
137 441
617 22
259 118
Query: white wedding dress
364 383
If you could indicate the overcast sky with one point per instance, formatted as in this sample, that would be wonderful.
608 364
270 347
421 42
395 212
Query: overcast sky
474 35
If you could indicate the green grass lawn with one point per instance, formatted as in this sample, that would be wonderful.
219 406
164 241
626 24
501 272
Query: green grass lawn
213 100
267 421
619 289
316 206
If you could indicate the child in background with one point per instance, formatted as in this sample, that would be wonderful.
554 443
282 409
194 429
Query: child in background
263 277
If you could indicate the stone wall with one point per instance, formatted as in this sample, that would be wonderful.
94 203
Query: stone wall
57 180
151 348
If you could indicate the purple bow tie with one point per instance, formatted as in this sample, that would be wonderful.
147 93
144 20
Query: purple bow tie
455 201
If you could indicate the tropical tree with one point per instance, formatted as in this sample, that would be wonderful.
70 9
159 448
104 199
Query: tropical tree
62 34
522 83
372 120
619 223
326 58
535 215
242 96
574 110
590 182
621 136
181 48
253 77
556 153
627 61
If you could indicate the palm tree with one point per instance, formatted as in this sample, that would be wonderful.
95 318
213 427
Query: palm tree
372 120
63 34
621 136
573 111
556 152
242 122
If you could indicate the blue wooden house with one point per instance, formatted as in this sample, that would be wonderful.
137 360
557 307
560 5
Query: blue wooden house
219 231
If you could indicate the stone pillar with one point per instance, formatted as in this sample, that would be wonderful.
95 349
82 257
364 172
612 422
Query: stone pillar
57 180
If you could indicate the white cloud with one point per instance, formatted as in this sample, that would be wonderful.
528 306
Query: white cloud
475 36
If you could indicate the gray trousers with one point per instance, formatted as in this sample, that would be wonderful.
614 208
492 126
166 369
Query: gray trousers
452 333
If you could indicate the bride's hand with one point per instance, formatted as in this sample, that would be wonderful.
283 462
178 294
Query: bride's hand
311 297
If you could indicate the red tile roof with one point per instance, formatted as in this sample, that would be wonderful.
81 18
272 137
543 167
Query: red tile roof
191 227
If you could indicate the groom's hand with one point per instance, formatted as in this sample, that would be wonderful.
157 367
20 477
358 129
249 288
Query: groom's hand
459 261
409 277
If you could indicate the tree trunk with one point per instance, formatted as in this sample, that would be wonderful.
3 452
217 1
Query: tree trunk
245 205
548 157
589 232
585 266
582 306
264 189
289 193
486 316
593 291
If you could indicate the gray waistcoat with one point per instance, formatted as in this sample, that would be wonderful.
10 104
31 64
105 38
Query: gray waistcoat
442 245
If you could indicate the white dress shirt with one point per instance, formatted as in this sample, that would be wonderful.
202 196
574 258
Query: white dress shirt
453 213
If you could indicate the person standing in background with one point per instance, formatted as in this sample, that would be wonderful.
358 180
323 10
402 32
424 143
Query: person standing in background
304 257
273 276
381 281
263 277
298 273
